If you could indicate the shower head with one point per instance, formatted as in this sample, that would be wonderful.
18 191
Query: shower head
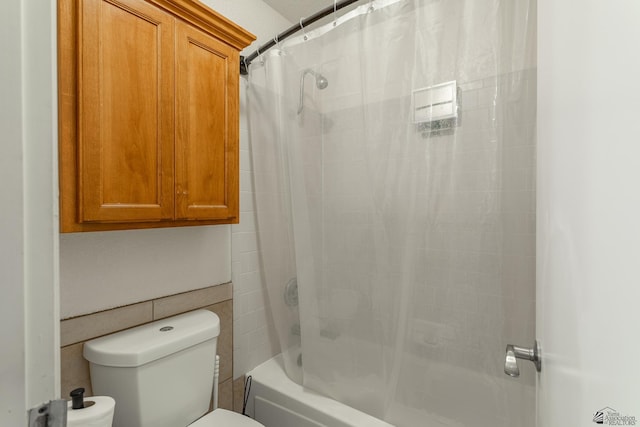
321 83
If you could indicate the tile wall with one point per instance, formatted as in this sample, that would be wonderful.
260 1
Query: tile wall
75 331
255 339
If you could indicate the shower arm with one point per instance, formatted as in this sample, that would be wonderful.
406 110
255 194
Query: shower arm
245 61
302 76
321 83
301 102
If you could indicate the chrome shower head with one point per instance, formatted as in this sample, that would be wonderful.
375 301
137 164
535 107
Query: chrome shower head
321 83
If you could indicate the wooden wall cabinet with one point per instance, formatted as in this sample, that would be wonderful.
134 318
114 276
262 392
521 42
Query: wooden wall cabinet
149 114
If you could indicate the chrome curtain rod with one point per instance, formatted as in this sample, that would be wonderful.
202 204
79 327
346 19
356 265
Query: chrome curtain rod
245 61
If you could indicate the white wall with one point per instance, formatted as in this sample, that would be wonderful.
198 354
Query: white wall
108 269
254 15
588 208
29 360
12 366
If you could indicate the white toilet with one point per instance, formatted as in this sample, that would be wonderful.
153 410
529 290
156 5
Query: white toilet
162 374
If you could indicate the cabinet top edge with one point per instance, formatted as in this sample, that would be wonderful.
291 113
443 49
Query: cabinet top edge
208 20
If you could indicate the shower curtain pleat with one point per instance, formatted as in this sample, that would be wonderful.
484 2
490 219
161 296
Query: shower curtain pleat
413 246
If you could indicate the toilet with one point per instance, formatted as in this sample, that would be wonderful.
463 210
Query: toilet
162 374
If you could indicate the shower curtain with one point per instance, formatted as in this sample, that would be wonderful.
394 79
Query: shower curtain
399 255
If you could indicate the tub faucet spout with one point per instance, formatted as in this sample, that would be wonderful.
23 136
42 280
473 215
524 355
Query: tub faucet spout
514 352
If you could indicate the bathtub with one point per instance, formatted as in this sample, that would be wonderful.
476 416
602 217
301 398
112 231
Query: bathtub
276 401
461 398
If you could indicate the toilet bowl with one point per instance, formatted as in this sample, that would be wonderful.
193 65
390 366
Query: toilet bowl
161 374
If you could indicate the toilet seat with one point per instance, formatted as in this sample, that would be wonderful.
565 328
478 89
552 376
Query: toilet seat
224 418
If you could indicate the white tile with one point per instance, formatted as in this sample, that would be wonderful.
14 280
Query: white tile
469 100
235 272
261 316
250 262
244 138
247 223
245 160
244 123
243 242
246 323
242 305
487 96
256 300
246 181
248 282
246 202
472 85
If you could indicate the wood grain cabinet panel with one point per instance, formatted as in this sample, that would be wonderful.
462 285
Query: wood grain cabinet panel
126 110
207 127
148 100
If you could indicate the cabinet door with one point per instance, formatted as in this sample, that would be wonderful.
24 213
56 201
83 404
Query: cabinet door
207 82
126 116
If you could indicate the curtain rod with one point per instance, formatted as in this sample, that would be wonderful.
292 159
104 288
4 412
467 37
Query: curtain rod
245 61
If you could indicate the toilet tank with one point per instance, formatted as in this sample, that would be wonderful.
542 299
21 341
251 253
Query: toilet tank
160 374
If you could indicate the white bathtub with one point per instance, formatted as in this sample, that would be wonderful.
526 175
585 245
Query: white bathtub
276 401
459 398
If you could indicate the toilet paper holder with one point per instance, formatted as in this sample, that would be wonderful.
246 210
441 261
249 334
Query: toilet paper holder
96 411
77 399
52 413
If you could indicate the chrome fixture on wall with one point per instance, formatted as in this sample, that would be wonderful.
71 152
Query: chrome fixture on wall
515 352
321 83
291 295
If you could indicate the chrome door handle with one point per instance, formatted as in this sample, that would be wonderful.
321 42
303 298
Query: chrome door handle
515 352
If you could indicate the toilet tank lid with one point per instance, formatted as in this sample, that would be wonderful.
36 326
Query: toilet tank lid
146 343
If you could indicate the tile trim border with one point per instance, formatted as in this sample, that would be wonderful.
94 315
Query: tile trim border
82 328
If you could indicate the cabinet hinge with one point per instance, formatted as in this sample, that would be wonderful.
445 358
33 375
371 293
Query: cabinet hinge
51 414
